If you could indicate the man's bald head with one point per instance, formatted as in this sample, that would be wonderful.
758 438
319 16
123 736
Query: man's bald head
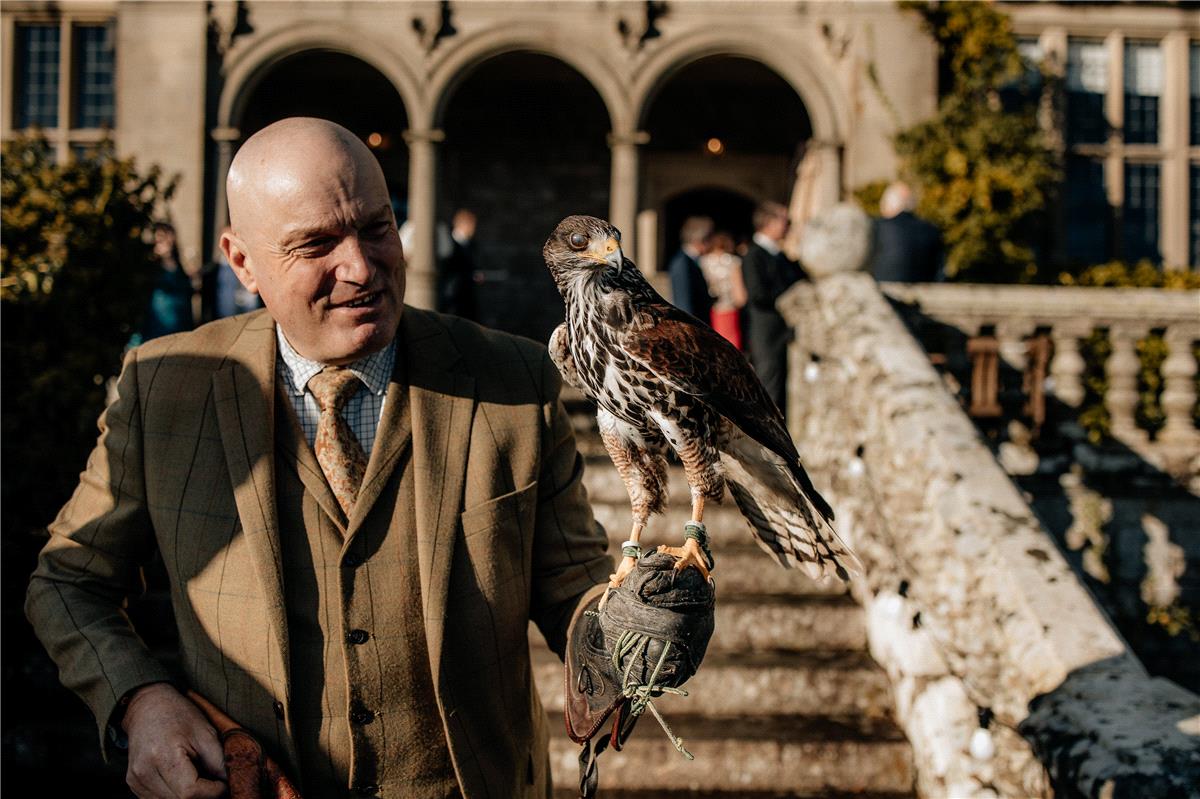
285 157
313 233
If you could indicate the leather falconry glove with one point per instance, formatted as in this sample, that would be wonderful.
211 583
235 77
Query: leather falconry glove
647 640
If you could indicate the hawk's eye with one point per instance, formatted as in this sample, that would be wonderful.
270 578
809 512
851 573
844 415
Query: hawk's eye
577 241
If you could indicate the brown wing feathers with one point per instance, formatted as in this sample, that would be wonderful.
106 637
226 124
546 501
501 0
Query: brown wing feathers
694 358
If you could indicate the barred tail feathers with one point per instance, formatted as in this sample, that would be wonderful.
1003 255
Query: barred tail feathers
785 520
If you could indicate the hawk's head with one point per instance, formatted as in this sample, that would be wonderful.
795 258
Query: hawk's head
582 245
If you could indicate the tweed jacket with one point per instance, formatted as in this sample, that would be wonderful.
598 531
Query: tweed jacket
186 462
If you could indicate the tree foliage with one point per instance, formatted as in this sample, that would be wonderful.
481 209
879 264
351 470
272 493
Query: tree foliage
981 165
77 268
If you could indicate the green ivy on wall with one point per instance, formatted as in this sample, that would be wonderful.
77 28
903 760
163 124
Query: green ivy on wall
982 166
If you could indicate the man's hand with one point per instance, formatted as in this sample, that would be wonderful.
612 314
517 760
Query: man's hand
174 753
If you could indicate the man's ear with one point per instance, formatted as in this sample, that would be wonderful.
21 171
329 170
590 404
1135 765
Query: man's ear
239 260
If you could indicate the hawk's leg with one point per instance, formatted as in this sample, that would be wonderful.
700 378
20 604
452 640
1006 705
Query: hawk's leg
643 469
700 466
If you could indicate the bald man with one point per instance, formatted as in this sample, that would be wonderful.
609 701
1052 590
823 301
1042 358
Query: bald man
360 506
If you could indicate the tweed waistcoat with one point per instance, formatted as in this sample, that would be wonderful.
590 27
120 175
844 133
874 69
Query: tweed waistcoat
364 719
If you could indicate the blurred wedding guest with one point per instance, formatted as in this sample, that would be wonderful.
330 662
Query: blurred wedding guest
767 273
170 307
457 268
722 270
689 291
907 249
228 296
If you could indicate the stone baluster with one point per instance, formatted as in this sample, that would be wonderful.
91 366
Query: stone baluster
1067 365
1122 369
1179 386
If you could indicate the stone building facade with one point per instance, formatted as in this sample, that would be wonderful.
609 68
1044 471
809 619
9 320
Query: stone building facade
643 112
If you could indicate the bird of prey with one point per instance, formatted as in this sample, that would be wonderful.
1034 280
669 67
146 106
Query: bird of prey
660 377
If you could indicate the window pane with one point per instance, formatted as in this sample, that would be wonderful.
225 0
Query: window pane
1139 218
94 103
1087 82
1143 87
1028 85
1087 213
1194 91
1194 217
37 75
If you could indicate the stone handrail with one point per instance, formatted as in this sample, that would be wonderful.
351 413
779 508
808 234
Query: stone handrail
971 608
1071 313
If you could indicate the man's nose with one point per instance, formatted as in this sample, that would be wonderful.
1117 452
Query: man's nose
353 265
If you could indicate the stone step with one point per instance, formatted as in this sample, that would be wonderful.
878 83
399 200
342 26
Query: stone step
784 754
787 624
732 684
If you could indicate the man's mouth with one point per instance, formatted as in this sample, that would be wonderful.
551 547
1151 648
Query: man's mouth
360 302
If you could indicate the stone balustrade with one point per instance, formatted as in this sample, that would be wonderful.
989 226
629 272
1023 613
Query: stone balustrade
1069 314
1007 677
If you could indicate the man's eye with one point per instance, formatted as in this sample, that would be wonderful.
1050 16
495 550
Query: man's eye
379 229
316 245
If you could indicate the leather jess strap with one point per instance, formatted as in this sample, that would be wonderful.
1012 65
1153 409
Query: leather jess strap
252 773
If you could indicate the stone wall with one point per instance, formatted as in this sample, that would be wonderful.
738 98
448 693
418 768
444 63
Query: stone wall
972 609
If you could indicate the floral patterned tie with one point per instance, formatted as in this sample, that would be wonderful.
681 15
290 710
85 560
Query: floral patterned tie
338 451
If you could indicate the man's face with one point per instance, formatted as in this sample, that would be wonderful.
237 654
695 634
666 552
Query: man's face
777 227
324 253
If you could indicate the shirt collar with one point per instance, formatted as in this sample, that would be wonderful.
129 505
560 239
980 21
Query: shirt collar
374 370
767 243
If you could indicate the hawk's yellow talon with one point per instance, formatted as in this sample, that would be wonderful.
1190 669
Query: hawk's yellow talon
689 554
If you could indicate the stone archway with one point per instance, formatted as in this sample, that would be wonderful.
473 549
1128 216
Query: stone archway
707 129
525 145
289 48
342 88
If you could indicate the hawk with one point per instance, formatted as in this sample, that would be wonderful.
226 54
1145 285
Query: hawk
660 378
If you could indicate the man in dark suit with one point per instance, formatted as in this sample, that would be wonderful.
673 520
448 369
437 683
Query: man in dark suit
689 290
457 270
907 249
768 273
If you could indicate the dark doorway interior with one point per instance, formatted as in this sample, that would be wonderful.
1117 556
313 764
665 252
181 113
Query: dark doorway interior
341 88
741 102
731 212
525 146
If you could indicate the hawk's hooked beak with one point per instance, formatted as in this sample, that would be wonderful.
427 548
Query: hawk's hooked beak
613 255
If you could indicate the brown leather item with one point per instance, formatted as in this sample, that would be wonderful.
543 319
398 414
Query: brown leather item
252 774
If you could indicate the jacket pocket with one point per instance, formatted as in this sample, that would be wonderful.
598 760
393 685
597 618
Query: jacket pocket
497 538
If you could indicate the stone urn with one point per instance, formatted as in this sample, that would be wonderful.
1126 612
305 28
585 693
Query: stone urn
836 240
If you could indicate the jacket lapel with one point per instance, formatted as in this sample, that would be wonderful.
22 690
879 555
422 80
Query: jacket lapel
442 402
392 437
292 444
244 393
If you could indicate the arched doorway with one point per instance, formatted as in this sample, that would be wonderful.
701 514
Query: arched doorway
525 146
730 212
723 121
339 87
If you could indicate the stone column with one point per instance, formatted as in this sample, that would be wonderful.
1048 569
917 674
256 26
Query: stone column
421 290
225 139
818 187
623 185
